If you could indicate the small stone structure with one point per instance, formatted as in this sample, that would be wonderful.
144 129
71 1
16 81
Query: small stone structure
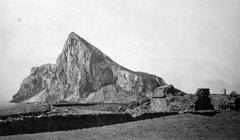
223 91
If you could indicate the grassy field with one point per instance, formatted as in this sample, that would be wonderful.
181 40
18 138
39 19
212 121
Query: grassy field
224 125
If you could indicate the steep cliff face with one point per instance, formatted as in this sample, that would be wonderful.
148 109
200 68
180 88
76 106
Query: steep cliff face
83 73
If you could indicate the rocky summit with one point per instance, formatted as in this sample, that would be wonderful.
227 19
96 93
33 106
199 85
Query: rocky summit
84 74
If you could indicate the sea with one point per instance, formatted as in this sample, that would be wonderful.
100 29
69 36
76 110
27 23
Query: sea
6 103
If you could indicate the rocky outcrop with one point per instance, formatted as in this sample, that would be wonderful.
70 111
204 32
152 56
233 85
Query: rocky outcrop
175 103
83 73
165 97
36 85
204 101
166 90
225 102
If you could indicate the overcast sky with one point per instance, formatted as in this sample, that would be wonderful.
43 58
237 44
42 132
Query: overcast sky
189 43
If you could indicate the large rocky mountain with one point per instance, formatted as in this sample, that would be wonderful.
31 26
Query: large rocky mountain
83 73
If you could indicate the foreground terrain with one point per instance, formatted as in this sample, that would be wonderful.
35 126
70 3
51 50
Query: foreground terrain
224 125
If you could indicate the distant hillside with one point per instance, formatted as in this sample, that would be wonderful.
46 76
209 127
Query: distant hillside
83 73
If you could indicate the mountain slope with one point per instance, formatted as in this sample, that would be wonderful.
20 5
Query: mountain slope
83 73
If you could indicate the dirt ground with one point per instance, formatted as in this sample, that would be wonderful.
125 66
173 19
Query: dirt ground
224 125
